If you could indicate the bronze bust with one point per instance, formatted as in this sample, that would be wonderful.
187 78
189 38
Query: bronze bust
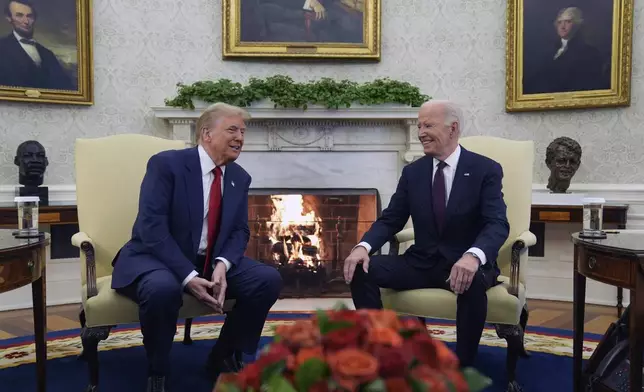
563 157
32 162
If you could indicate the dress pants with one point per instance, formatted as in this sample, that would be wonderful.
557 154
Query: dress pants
401 273
255 287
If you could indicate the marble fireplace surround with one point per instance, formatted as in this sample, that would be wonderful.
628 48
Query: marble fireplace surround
356 147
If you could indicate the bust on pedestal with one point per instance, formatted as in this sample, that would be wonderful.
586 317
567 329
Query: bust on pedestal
563 157
32 162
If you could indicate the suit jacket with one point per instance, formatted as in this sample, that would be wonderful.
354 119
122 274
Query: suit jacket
17 69
167 229
579 68
475 214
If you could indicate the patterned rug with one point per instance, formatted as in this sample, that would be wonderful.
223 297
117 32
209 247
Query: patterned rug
123 359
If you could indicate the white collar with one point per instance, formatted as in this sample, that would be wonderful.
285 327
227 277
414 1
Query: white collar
19 37
451 160
207 165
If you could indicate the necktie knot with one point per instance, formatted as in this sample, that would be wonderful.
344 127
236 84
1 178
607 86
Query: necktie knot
217 171
441 165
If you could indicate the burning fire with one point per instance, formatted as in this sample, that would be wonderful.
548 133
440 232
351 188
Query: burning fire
296 236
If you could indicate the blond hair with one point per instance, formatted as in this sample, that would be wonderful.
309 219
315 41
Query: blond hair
214 113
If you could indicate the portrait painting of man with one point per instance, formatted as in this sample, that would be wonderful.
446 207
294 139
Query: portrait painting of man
40 47
569 50
302 27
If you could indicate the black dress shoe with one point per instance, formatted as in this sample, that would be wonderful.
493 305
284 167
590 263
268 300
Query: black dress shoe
217 365
156 384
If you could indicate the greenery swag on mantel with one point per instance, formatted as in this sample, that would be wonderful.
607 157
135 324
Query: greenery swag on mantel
283 92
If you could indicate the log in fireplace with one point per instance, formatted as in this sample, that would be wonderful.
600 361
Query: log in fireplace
307 233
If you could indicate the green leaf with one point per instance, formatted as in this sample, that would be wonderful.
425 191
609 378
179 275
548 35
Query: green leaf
335 325
417 385
274 369
230 388
340 306
476 381
375 386
277 383
310 372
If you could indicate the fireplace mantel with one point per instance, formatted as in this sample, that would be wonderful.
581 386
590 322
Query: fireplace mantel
357 128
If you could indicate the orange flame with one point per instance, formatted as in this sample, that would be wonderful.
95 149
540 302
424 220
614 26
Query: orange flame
299 233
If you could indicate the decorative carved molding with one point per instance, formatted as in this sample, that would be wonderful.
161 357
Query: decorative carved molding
318 128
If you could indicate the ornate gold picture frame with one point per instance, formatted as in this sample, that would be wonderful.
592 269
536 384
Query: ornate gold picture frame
46 51
565 56
348 29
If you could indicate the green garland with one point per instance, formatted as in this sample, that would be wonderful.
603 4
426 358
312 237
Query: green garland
286 93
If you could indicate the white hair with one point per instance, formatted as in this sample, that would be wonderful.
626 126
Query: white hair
215 112
571 13
453 113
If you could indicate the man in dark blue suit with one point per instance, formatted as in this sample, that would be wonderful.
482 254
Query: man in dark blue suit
455 201
190 234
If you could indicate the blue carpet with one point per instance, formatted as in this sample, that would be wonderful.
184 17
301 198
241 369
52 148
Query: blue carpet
123 368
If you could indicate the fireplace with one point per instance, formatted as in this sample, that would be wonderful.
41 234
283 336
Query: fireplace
307 233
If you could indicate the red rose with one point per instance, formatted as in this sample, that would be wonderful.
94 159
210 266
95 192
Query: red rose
276 352
250 376
412 326
393 362
423 348
398 384
342 338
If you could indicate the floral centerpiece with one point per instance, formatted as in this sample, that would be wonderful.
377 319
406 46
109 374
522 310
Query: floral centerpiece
349 350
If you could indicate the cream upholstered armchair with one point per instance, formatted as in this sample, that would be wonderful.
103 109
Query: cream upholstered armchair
109 171
507 309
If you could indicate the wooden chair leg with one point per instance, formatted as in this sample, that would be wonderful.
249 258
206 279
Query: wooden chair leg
90 337
187 340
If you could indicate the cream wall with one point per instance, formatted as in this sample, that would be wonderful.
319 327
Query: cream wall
451 49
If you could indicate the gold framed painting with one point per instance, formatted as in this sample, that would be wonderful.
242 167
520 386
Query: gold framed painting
568 55
46 51
348 29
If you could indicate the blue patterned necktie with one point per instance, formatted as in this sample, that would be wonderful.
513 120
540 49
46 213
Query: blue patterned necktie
439 195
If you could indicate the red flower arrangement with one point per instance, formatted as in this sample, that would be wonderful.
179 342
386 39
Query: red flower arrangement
348 350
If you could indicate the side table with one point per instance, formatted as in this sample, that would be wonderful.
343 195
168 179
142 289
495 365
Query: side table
617 260
23 262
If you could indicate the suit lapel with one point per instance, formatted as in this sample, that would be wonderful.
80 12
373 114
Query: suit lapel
231 198
194 190
459 185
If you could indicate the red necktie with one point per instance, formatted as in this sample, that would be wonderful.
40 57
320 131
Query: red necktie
214 211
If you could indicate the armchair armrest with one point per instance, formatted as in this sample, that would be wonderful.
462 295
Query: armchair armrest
81 240
523 241
402 236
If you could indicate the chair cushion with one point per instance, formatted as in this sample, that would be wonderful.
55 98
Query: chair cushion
503 307
112 308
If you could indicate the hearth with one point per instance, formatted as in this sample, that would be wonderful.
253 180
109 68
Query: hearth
307 233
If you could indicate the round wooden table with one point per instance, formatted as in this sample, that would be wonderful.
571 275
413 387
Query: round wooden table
22 262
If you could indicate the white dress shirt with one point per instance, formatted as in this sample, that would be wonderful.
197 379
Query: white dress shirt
207 177
560 51
448 174
31 50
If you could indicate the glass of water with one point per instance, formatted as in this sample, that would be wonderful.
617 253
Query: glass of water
27 215
593 216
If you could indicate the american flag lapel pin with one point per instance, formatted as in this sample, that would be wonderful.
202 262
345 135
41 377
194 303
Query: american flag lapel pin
466 174
232 183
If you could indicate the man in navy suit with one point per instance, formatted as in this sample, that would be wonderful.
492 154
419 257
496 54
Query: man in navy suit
190 234
24 62
455 201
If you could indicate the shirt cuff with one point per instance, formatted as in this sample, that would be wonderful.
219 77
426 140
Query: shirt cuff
226 262
478 252
188 278
364 245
